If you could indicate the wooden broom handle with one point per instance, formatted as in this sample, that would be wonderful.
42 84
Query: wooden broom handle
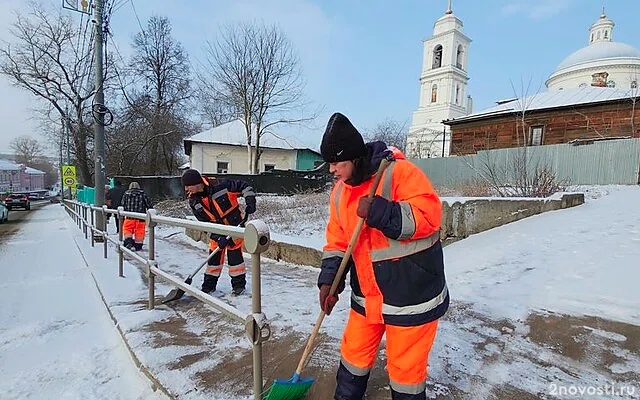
343 265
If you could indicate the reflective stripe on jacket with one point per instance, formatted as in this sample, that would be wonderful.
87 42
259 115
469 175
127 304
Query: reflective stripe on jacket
396 280
219 201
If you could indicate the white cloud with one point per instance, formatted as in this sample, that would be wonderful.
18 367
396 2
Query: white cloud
536 10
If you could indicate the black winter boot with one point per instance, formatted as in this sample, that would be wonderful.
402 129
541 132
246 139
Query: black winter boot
209 284
238 284
350 386
129 243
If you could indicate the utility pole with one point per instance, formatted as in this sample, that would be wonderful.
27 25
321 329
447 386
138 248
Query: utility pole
98 114
67 131
444 129
62 131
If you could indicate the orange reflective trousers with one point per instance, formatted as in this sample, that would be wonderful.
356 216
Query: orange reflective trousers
236 260
407 349
134 228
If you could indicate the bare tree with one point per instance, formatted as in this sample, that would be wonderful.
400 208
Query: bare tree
26 149
29 152
390 131
212 110
517 172
51 58
156 88
255 72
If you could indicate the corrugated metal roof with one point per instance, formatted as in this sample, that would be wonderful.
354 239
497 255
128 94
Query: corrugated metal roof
233 133
549 100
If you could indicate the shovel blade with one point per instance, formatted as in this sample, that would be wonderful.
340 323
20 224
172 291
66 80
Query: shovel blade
174 294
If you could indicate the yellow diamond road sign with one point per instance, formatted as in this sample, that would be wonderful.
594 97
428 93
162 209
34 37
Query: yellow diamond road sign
69 175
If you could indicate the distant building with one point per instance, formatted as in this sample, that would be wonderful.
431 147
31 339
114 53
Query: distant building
19 178
551 117
223 150
602 62
592 94
443 88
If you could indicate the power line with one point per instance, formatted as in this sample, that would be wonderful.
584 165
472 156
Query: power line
138 18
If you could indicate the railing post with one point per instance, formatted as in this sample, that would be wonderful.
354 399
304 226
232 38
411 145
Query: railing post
93 242
104 234
84 220
256 308
120 237
152 256
257 240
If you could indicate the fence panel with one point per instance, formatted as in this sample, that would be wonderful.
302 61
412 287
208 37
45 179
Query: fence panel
599 163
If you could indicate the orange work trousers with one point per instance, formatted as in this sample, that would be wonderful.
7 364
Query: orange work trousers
408 350
134 228
236 260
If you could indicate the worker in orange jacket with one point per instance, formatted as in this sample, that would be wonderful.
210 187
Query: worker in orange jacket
398 285
216 201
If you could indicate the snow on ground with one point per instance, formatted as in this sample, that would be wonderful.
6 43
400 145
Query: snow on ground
545 301
579 261
538 305
57 339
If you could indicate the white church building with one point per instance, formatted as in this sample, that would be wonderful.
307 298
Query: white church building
443 88
602 63
443 80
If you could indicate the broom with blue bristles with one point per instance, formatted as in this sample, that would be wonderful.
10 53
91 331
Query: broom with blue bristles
297 387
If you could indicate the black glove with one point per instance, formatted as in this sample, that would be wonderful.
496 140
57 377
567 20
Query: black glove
251 204
222 242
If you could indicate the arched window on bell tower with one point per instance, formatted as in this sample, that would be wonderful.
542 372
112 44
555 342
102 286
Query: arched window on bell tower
459 56
434 93
437 57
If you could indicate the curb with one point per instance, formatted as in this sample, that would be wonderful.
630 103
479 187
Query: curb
155 383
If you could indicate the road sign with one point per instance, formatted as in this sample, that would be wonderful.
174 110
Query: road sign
69 176
69 170
82 6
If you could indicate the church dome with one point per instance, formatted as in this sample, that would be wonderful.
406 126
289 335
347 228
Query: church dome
602 63
600 51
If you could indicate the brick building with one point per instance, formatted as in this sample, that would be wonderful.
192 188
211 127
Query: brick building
19 178
552 117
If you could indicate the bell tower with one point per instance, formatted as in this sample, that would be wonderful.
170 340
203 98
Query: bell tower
443 88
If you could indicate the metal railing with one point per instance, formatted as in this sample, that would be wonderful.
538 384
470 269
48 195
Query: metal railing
256 240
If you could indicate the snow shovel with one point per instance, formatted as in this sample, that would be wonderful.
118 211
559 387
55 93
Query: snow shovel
296 387
177 293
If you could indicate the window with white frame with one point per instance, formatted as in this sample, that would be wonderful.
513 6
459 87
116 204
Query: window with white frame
222 167
536 135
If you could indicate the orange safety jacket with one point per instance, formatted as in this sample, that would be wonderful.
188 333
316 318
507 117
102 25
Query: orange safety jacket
397 269
218 203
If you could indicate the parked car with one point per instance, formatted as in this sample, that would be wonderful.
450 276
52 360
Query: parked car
4 213
16 200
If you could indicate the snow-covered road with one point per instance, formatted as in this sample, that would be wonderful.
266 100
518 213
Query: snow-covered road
57 339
